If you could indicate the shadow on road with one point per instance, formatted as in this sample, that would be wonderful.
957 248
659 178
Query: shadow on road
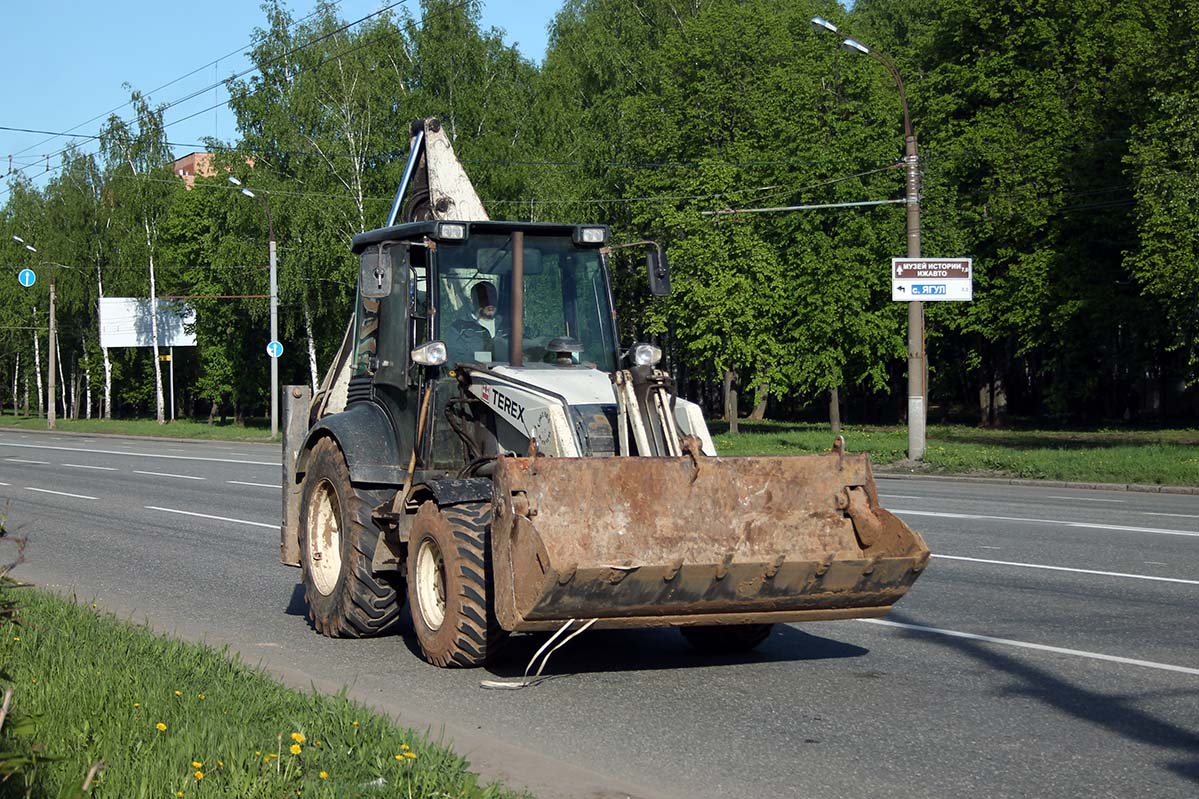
1116 713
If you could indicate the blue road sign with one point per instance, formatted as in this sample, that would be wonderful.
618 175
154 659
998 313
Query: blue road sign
274 349
27 277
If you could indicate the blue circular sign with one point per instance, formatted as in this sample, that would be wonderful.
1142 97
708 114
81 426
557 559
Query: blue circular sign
274 349
27 277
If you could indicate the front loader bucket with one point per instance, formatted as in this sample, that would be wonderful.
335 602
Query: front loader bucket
647 542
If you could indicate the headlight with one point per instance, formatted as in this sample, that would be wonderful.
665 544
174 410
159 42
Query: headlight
451 231
431 353
646 354
591 235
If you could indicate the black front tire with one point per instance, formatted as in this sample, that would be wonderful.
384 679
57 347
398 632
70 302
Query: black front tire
726 639
450 586
337 545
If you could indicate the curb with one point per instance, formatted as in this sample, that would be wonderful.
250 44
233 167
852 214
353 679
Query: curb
1022 481
77 434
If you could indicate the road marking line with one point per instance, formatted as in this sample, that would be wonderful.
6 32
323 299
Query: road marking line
1155 563
1179 515
140 454
21 460
1069 569
85 466
209 516
984 546
1090 525
60 493
165 474
1087 499
260 485
1039 647
899 496
5 484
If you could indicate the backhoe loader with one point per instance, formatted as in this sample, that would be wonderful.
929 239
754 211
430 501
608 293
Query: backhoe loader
514 467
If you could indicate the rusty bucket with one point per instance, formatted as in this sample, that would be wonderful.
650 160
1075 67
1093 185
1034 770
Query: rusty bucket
647 542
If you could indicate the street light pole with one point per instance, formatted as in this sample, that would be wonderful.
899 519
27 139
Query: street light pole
51 406
274 281
917 362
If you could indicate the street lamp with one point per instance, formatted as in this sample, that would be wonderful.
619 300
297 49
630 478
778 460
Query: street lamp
917 367
274 303
51 407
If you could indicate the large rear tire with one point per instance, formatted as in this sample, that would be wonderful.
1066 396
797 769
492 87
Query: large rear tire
449 584
337 545
727 638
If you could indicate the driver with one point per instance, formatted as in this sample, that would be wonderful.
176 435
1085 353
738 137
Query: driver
473 333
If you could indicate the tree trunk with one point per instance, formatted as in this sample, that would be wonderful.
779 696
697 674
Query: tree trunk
212 412
311 348
26 392
763 398
730 399
16 374
159 407
87 382
37 365
62 380
834 409
107 410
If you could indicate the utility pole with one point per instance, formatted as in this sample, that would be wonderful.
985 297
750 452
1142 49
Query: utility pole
917 363
270 224
51 402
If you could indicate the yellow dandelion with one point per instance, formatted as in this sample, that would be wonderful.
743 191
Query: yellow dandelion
404 747
256 754
266 759
199 775
178 693
324 775
137 704
220 764
197 764
160 727
318 743
16 638
400 757
410 754
201 696
35 680
298 737
179 794
295 749
354 724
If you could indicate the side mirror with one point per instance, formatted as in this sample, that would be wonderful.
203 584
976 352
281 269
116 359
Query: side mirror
659 271
374 273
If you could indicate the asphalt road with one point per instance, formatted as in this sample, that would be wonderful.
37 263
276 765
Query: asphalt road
1049 650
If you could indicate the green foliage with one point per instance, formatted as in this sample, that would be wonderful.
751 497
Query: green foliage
1056 147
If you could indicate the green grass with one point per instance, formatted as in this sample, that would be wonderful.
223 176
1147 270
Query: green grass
151 709
1161 457
254 430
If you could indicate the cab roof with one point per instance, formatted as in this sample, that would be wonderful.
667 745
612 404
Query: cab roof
410 231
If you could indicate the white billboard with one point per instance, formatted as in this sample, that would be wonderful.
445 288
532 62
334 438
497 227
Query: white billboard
932 279
125 322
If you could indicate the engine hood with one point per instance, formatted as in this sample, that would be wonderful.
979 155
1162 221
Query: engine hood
577 385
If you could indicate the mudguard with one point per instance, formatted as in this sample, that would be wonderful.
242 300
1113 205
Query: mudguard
367 440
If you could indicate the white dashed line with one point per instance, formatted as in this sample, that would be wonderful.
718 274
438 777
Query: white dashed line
259 485
59 493
1089 525
165 474
140 454
1176 515
209 516
1068 569
20 460
85 466
1039 647
1086 499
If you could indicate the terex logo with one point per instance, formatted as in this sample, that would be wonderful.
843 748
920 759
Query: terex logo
509 406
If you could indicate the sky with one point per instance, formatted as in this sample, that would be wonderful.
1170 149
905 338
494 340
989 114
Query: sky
64 63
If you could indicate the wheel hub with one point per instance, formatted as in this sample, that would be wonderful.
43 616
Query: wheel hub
324 538
430 583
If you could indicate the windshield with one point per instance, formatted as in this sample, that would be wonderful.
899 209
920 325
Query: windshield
565 297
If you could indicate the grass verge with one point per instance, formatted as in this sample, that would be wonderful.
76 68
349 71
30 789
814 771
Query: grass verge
174 719
1151 457
254 430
